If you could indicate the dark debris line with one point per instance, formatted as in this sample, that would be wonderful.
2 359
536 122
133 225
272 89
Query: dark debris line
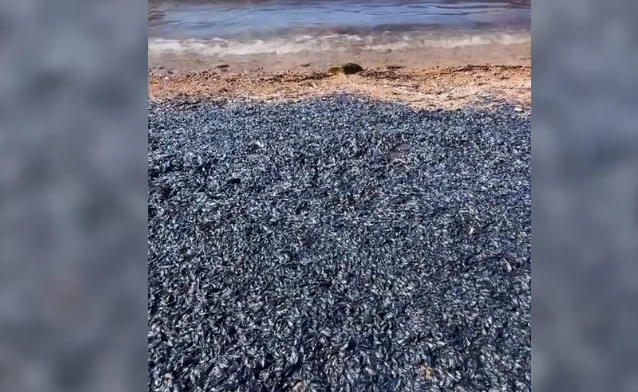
338 245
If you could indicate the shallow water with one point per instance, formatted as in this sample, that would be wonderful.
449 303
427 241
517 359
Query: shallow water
271 26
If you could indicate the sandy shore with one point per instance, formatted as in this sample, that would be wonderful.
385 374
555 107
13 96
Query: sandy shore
340 243
425 78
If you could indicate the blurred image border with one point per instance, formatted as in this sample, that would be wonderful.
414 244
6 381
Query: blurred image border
584 193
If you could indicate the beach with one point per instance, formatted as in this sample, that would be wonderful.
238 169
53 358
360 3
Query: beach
424 65
339 203
425 78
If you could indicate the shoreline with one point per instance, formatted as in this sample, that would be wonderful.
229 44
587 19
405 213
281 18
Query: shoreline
446 78
310 188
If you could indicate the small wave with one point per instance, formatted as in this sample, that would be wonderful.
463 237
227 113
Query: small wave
222 47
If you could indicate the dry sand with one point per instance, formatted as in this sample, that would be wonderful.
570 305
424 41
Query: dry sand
424 78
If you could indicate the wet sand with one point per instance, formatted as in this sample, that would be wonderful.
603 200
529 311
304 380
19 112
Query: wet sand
424 78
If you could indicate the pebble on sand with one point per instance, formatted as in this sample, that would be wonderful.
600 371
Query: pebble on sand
345 69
